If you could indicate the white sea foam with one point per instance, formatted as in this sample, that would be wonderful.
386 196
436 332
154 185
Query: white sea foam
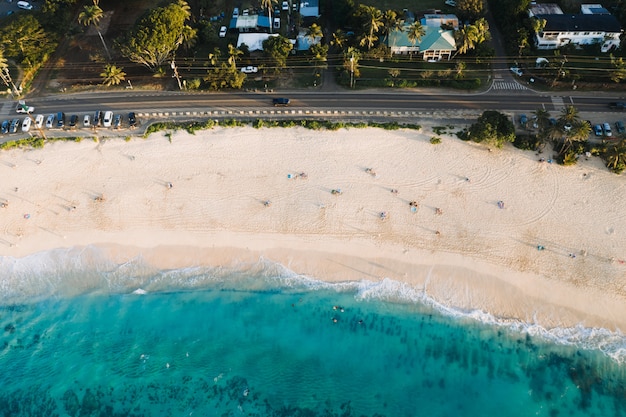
71 272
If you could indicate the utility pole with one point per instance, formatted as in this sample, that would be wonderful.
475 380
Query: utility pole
173 65
352 71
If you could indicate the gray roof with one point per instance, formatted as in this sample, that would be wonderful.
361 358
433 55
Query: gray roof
580 23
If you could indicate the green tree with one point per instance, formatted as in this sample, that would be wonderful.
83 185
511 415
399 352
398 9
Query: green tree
234 54
112 75
459 70
314 32
277 49
618 73
319 55
91 15
25 41
494 128
157 36
372 19
470 9
267 4
615 156
224 76
351 59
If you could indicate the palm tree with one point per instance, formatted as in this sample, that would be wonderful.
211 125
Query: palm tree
91 15
185 8
615 155
415 32
373 21
465 41
543 118
340 39
112 75
314 31
267 4
481 31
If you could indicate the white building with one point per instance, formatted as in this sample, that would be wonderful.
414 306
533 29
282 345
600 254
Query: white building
578 29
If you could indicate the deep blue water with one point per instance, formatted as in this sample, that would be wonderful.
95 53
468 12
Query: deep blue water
260 341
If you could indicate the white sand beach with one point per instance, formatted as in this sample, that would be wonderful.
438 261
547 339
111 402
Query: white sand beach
475 254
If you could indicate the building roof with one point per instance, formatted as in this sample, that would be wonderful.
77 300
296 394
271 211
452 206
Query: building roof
309 8
544 8
580 23
593 9
436 20
249 22
254 41
434 39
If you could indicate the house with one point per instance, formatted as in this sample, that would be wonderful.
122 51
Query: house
250 23
303 42
436 44
579 29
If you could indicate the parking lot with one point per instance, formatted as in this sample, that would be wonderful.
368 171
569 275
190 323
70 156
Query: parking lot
9 9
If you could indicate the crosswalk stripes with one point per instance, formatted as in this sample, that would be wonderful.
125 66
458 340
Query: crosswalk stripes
557 102
507 85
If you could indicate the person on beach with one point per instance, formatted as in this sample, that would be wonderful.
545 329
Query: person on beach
170 185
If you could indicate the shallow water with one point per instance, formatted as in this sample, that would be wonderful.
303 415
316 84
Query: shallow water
260 341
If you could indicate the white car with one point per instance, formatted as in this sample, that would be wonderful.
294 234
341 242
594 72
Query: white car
107 119
50 121
24 5
451 3
286 6
250 69
517 71
39 119
223 30
86 121
277 23
22 108
26 124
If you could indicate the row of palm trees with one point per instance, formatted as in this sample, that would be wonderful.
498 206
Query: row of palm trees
569 128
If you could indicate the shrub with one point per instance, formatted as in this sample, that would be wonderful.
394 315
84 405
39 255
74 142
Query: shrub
435 140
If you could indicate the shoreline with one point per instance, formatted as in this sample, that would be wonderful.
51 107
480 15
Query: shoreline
484 257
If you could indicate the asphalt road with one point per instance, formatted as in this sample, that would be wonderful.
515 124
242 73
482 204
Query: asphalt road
392 101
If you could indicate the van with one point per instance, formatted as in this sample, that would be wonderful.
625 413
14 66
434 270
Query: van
24 5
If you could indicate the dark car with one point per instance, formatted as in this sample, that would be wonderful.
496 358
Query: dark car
619 126
619 105
5 126
132 119
60 119
523 120
73 120
117 121
597 129
97 119
281 101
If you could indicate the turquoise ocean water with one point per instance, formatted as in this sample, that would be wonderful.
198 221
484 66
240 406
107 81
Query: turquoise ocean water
77 338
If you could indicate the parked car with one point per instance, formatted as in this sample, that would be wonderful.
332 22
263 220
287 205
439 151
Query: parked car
223 31
523 120
117 121
250 69
5 127
607 129
26 124
97 118
107 119
619 126
60 120
86 121
15 123
281 101
24 5
132 119
236 12
597 130
22 108
73 120
39 119
277 23
451 3
517 71
50 121
286 6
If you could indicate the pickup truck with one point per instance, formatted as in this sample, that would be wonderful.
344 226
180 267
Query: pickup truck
22 108
618 105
